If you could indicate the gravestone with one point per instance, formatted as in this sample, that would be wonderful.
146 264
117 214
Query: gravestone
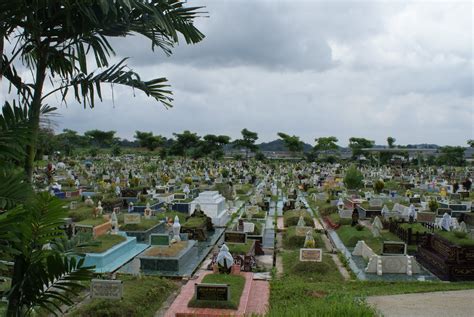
311 255
235 237
107 289
394 248
132 218
426 217
162 239
212 292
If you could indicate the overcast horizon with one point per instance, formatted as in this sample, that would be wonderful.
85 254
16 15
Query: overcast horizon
368 69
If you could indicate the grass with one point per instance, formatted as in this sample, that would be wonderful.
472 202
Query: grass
244 189
142 296
172 214
171 250
291 217
144 225
350 235
415 227
449 235
240 248
236 284
292 241
320 291
195 222
259 215
92 221
104 242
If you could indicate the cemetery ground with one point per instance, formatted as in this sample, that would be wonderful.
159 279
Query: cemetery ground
163 234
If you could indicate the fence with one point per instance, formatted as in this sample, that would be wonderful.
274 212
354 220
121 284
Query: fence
407 235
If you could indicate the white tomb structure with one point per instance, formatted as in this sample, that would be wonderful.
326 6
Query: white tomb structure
213 205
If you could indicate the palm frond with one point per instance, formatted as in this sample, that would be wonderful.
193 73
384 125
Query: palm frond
87 86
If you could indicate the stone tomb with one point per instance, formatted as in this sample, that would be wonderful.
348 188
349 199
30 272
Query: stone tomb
213 205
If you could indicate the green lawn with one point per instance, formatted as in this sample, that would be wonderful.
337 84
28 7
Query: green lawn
350 235
92 221
236 284
144 225
450 235
240 248
104 242
194 222
143 296
307 291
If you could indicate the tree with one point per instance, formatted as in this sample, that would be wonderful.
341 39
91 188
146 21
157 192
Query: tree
116 150
247 142
148 140
353 178
326 145
292 143
451 155
27 224
213 145
100 138
44 277
470 143
357 144
54 39
69 139
185 143
391 142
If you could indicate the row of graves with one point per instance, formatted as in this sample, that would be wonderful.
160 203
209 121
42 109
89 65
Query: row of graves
424 228
171 223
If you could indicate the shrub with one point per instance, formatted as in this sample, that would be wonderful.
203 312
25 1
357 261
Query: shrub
433 205
325 211
359 227
353 178
378 186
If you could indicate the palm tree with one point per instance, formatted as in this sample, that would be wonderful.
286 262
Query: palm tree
53 39
42 277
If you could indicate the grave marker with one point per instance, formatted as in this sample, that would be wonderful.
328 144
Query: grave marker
426 217
394 248
160 239
235 237
311 255
212 292
132 218
108 289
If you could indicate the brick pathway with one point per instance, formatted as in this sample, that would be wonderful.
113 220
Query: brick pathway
257 304
259 298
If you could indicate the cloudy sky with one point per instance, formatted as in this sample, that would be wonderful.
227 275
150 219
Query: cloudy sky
309 68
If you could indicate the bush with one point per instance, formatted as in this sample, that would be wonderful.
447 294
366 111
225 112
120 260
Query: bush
359 227
326 211
353 178
433 205
378 186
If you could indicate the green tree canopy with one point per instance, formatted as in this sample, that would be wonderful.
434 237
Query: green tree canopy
100 138
247 142
326 144
148 140
391 142
292 143
357 144
353 178
451 155
185 143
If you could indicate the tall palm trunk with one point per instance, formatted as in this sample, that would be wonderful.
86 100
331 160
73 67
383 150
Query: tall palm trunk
34 116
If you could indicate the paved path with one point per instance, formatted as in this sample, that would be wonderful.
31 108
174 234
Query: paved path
437 304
